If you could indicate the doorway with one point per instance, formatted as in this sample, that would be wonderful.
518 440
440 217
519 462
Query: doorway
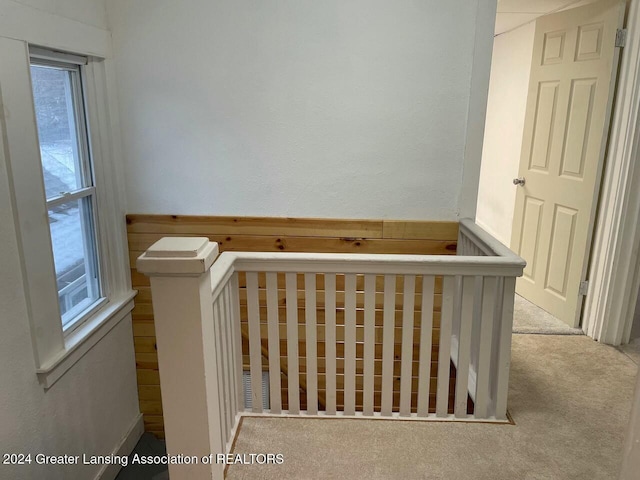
547 124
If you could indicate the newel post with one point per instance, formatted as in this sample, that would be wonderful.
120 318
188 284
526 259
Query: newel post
181 293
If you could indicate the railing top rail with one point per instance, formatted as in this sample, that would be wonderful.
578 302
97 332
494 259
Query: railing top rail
483 239
504 263
375 263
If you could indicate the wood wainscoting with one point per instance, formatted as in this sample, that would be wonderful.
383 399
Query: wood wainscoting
268 235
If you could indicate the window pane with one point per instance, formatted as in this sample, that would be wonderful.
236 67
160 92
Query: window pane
74 253
60 150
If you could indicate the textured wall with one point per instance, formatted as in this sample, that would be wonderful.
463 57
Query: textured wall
335 109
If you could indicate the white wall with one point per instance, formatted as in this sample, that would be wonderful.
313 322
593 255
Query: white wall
88 12
297 108
504 126
94 405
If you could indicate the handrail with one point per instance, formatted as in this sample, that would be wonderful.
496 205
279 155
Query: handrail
500 261
486 242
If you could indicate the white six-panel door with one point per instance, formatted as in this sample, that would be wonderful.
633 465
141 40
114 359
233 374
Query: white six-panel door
567 118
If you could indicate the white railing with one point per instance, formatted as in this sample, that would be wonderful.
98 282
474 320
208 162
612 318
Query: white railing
374 336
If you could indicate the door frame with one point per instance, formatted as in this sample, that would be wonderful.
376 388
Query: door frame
614 273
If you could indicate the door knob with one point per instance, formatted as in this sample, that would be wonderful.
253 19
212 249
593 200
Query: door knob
519 181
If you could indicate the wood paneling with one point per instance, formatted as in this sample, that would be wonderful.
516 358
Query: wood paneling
293 235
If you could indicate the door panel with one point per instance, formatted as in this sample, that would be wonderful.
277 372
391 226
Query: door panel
568 110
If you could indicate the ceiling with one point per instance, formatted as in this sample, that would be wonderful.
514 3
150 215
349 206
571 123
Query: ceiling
514 13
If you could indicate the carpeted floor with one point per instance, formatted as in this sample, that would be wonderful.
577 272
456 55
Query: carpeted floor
569 396
529 318
632 350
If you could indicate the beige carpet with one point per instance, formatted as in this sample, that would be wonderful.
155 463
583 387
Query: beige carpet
569 396
632 350
529 318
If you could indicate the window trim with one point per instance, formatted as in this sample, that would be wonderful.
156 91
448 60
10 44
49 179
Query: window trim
54 352
75 64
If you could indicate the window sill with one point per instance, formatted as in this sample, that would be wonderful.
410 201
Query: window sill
78 343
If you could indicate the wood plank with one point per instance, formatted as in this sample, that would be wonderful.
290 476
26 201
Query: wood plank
144 344
203 225
153 422
139 279
152 407
148 376
144 328
142 311
149 392
407 229
240 243
147 360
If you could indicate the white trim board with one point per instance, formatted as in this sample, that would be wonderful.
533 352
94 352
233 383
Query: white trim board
614 272
124 447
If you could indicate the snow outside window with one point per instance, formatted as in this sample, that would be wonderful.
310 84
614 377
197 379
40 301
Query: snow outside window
69 186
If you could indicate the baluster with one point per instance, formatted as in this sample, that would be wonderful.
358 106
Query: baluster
311 342
426 332
237 341
444 351
292 342
219 346
407 344
350 344
369 342
226 377
230 352
330 341
464 347
273 331
484 356
504 349
388 333
255 350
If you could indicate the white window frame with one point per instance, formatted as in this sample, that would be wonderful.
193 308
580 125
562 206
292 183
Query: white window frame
54 351
74 318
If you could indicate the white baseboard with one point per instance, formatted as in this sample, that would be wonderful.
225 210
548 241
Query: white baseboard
124 447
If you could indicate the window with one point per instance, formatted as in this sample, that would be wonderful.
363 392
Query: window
60 144
68 182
